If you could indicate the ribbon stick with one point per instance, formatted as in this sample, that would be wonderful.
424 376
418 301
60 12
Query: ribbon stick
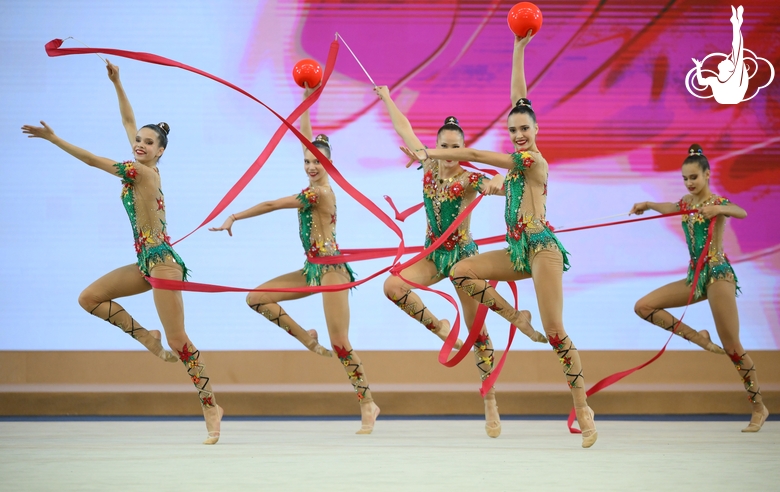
356 59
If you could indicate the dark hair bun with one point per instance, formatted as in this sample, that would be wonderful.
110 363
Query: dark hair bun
523 102
323 138
451 120
164 127
695 149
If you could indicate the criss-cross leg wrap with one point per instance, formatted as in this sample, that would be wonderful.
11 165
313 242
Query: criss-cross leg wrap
412 305
665 320
116 315
196 369
569 358
357 376
274 313
483 355
747 371
481 291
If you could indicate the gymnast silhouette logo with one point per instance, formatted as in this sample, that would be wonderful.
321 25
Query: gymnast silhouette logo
730 84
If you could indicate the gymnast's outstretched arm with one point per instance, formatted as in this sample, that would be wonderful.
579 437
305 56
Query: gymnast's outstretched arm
519 88
125 109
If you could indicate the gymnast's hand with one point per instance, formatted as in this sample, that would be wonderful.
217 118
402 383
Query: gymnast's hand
524 41
113 72
383 92
711 211
639 208
44 132
494 186
309 90
227 226
415 156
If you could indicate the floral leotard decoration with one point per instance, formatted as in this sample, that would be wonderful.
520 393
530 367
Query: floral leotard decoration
152 243
527 231
318 237
443 199
695 226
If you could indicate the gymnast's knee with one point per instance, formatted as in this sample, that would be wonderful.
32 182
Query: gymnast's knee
643 309
394 288
460 270
256 299
88 300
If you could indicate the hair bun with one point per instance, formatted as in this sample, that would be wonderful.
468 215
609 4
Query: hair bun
451 120
164 127
323 138
695 149
523 102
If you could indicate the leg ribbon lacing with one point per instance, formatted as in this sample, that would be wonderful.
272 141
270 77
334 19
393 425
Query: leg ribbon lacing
189 355
354 368
566 356
754 392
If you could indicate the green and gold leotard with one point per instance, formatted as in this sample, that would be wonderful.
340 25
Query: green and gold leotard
147 218
695 226
527 231
444 201
317 228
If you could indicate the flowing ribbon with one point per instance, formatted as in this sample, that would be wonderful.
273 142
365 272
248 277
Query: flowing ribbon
614 378
53 48
402 216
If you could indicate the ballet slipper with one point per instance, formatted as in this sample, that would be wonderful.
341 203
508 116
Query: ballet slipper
524 325
587 426
213 435
373 413
316 347
157 349
444 331
708 345
757 420
492 418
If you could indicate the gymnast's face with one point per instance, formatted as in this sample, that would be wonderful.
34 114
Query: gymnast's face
694 178
725 69
147 146
313 168
449 139
522 131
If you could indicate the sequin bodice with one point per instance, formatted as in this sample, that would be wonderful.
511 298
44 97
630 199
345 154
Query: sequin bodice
695 227
317 221
144 203
444 200
526 196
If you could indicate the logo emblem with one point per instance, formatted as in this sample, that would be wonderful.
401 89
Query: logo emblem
729 85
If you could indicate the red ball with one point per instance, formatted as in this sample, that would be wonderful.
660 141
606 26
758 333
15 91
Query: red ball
307 70
524 16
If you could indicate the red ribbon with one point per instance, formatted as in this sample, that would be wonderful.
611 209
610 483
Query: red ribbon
402 216
614 378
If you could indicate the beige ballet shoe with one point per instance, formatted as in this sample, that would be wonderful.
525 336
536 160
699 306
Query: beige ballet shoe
526 329
213 435
757 420
157 348
317 348
589 434
709 346
492 418
444 331
368 427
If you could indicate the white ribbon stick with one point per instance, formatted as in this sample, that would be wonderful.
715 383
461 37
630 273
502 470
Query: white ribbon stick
85 44
356 59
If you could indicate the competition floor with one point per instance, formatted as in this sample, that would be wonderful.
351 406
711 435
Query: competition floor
657 453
